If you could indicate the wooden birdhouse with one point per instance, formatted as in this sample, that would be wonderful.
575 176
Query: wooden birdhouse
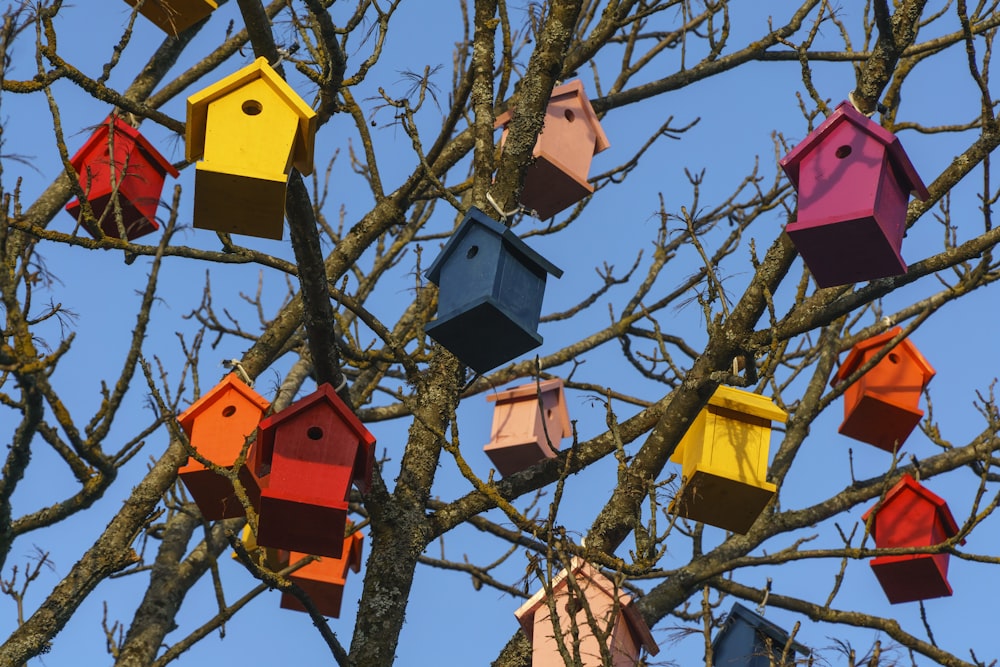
723 457
853 182
269 558
305 459
570 138
175 16
490 297
250 128
528 423
218 425
324 579
911 516
881 408
613 611
747 639
118 160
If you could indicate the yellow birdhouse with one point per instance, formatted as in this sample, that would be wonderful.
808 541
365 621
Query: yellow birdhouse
249 129
175 16
723 457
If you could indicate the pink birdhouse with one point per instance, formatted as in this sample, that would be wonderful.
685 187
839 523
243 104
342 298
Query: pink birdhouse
570 139
911 516
218 425
117 158
881 408
324 579
305 459
853 182
528 423
613 611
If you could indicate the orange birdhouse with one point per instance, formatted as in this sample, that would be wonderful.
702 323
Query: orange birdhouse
569 140
614 612
881 408
305 459
911 516
324 579
528 423
175 16
117 160
218 425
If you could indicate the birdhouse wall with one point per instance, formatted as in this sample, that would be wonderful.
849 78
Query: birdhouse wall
896 378
567 138
731 443
908 520
324 579
744 646
175 16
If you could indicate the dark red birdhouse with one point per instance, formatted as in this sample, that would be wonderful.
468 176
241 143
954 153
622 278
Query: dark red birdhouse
911 516
305 459
175 16
528 423
565 147
324 579
881 408
218 425
853 182
118 160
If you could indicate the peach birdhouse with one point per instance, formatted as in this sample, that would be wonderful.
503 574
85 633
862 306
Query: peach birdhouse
218 425
117 160
853 182
911 516
528 423
250 128
723 458
748 639
175 16
881 408
614 612
324 578
565 147
305 459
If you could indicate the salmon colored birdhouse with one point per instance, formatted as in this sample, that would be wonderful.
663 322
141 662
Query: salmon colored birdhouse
748 639
881 408
723 458
305 459
614 612
490 297
324 579
528 423
218 425
270 558
911 516
118 160
853 182
175 16
569 140
249 129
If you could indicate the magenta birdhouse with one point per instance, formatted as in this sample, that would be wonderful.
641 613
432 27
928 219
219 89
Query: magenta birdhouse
305 459
882 407
853 182
324 579
566 145
117 159
911 516
528 423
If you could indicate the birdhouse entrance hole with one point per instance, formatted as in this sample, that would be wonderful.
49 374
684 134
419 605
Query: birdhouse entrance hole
843 151
472 252
570 116
252 107
315 433
229 411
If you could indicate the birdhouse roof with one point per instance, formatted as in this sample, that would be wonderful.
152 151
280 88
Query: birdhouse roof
739 613
509 239
846 113
530 391
747 403
909 485
99 139
197 112
573 89
229 384
857 354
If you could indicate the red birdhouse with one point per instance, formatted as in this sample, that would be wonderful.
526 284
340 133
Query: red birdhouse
881 408
305 459
853 182
117 158
324 579
218 425
570 139
911 516
528 423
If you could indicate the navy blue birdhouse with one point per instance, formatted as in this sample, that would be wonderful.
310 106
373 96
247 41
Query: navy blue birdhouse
749 640
490 293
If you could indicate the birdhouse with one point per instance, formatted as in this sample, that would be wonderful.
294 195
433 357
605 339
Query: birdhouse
175 16
614 613
250 128
118 160
853 182
305 458
270 558
218 425
723 457
911 516
881 408
528 423
490 297
324 579
570 138
748 639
